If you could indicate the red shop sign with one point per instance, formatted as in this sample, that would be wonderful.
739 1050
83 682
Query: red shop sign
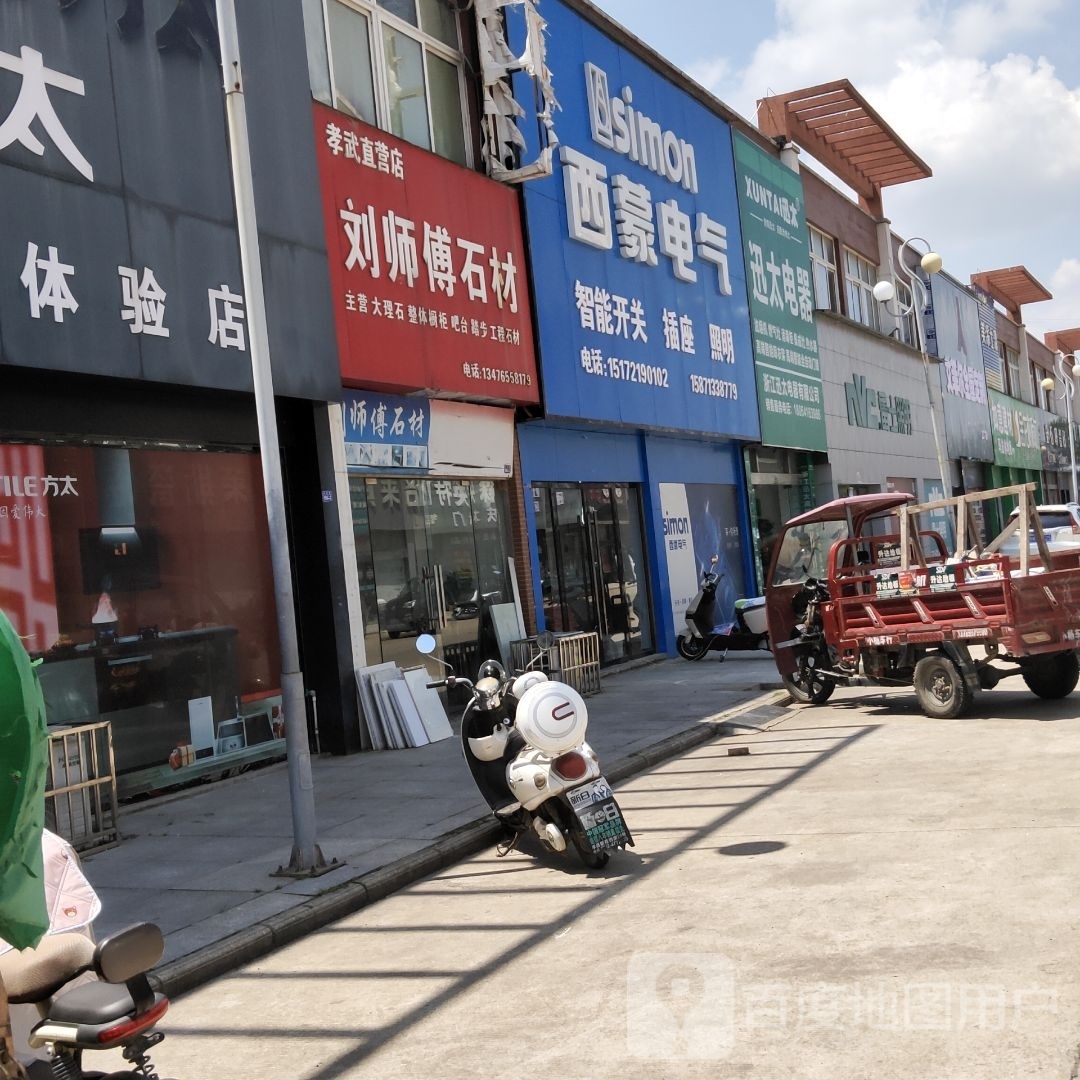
427 266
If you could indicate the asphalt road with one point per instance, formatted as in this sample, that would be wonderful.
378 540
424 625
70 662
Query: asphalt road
866 893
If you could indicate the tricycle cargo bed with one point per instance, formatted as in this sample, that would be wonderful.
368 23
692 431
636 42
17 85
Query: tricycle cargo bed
968 602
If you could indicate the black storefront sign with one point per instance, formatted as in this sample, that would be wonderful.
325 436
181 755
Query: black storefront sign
120 255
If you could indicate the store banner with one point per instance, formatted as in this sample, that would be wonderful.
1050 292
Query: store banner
701 521
1017 432
635 245
954 334
790 395
427 268
120 255
1055 443
988 341
426 437
386 432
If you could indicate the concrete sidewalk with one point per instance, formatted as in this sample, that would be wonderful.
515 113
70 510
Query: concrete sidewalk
199 863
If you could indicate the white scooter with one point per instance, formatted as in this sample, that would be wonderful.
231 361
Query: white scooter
523 739
69 995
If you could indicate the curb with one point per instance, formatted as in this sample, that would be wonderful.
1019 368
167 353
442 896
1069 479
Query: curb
212 961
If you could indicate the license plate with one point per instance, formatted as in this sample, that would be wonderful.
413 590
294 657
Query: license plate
600 816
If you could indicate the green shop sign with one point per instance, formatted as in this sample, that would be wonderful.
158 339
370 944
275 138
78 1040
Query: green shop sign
791 404
1017 432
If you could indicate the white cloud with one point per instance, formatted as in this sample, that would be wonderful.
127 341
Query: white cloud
1000 130
1063 312
979 27
710 73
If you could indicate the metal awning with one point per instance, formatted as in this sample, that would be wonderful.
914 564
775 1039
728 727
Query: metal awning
859 506
1012 287
835 124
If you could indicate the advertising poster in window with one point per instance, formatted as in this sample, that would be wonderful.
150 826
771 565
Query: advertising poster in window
700 521
791 400
427 268
635 246
954 334
422 436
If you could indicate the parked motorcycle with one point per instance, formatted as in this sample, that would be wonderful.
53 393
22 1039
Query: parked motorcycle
523 739
704 633
80 996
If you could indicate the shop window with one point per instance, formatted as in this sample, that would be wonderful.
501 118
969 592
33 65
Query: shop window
1043 398
860 277
395 64
909 331
142 580
823 263
432 558
1011 359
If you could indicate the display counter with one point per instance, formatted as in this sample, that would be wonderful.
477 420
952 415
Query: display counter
145 686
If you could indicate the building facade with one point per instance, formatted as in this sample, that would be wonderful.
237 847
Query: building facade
432 313
134 553
634 476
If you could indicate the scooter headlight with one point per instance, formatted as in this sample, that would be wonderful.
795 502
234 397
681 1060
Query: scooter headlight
488 687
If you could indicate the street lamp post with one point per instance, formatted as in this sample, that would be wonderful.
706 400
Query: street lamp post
1068 387
884 292
307 859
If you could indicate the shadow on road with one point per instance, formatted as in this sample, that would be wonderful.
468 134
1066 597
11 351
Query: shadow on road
589 893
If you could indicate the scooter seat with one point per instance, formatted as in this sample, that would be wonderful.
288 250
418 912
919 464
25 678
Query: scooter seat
35 974
93 1004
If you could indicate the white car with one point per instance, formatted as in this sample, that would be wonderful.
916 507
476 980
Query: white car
1060 523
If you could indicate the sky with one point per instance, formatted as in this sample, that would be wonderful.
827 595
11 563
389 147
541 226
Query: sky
986 92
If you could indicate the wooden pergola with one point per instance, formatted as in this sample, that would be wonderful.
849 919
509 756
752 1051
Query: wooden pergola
1012 287
1064 341
836 126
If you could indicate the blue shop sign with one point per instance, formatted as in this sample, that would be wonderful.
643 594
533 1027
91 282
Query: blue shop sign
636 247
386 432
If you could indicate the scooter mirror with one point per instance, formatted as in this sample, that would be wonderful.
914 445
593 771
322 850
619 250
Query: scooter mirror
545 639
426 644
714 560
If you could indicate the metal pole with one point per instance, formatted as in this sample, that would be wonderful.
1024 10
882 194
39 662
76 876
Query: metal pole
918 296
1068 388
1072 446
306 857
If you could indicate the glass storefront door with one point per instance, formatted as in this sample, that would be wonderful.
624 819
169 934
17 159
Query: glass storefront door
431 558
592 564
781 487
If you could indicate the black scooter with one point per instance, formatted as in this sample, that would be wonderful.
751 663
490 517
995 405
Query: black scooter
704 634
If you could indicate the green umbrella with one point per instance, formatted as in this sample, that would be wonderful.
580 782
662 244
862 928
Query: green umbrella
23 754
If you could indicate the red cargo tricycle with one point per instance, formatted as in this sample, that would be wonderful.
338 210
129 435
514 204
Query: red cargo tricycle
859 594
